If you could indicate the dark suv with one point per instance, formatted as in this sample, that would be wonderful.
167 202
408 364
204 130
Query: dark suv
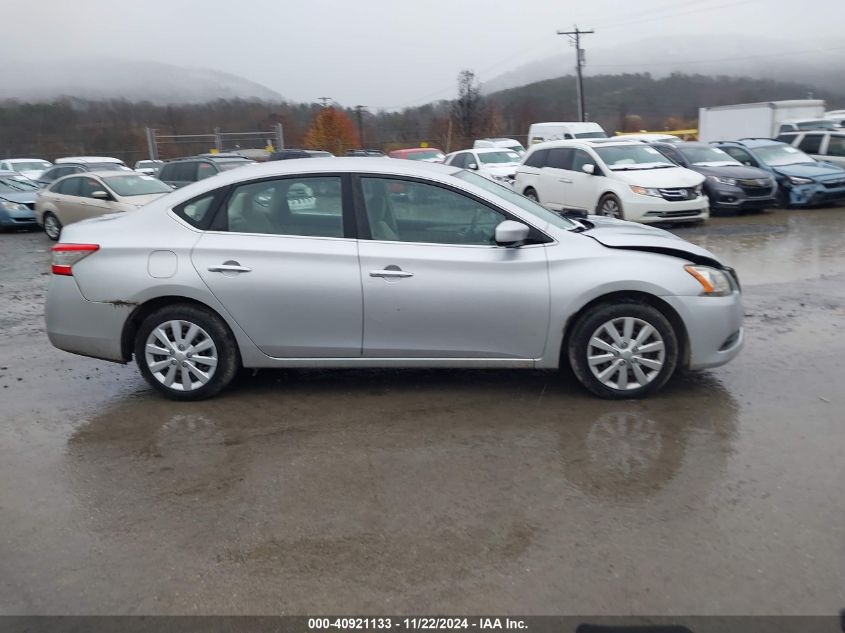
184 171
730 185
291 153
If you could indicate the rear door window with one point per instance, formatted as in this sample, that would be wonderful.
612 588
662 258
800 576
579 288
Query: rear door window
537 158
560 158
69 187
811 143
836 145
205 170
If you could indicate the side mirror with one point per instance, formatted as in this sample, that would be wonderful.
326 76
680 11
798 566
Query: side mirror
473 165
589 169
511 234
101 195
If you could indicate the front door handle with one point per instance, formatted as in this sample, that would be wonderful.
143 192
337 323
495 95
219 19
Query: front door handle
229 267
566 180
391 274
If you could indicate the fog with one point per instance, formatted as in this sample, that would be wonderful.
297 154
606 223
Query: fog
390 53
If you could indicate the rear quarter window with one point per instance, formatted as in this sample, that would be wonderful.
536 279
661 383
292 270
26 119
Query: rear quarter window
199 211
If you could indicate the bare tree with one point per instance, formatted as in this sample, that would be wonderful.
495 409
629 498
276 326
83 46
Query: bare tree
468 108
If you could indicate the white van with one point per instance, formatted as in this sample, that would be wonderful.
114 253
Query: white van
541 132
499 143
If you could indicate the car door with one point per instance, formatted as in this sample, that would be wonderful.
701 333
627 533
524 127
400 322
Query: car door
84 205
65 197
835 152
812 144
435 283
582 191
282 258
555 178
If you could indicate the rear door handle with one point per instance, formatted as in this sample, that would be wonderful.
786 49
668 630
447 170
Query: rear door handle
566 180
390 274
229 267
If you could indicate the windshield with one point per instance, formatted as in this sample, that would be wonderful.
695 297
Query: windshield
707 155
33 165
521 201
591 135
492 158
519 149
632 156
424 155
136 185
824 124
232 164
106 167
16 185
775 155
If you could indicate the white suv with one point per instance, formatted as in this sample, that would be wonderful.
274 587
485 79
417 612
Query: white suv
627 180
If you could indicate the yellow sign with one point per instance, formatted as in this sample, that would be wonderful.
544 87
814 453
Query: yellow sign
213 150
424 144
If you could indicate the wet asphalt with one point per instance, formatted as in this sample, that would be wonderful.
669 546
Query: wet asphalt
508 492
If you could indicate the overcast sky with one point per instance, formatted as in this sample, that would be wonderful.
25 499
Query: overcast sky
383 53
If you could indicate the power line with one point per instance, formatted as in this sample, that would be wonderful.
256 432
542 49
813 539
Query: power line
617 24
575 36
723 59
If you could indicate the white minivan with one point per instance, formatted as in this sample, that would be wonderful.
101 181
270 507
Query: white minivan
626 180
561 130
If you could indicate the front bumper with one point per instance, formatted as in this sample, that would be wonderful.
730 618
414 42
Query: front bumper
714 328
17 219
650 209
88 328
736 198
815 193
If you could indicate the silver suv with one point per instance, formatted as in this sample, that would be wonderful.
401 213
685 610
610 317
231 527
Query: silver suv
357 262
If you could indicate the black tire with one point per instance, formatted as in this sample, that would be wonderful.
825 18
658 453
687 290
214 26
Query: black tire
49 221
224 348
588 325
782 197
608 201
532 195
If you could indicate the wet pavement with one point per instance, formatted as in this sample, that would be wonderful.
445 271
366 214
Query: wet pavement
439 491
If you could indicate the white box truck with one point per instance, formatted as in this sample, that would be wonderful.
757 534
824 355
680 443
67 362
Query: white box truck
756 120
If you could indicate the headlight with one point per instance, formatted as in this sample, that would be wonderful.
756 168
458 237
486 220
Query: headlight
800 181
714 283
646 191
698 189
724 181
13 206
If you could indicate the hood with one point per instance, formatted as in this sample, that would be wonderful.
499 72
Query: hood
501 169
639 237
665 177
22 197
732 171
825 171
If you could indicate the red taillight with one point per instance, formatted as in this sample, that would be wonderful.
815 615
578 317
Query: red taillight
66 255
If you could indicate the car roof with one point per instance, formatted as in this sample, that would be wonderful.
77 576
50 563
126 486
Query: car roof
24 160
751 143
416 149
88 159
585 142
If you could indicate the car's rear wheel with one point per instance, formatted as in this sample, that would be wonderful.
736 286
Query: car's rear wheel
52 226
186 352
623 350
610 207
532 195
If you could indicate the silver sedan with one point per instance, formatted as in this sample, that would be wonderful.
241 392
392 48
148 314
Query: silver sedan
372 263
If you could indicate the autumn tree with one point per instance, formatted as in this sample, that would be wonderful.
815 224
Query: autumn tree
333 131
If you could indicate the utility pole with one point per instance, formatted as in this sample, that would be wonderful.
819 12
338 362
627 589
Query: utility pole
326 101
359 110
575 36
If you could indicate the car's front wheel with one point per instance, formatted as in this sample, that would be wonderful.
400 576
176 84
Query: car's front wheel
610 207
623 350
52 226
186 352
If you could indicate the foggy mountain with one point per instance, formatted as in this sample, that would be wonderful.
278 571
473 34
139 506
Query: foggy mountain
158 83
816 63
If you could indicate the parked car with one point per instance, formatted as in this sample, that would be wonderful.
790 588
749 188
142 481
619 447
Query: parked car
184 171
796 125
562 130
496 164
79 164
80 197
366 153
425 154
837 116
148 167
826 145
620 179
287 154
17 201
32 168
499 143
730 185
226 274
802 181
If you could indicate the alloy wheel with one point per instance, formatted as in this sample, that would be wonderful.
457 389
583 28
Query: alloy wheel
52 227
610 208
626 353
181 355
